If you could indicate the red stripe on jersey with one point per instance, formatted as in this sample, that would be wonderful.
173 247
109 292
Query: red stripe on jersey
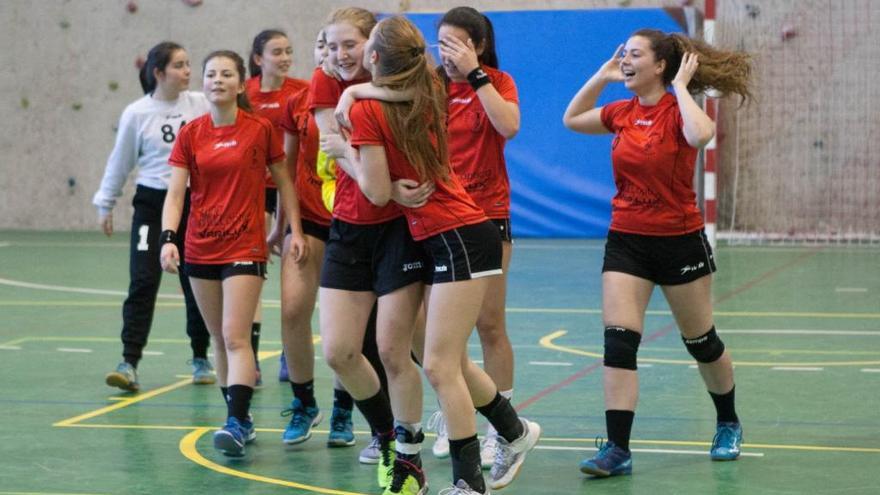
476 149
448 207
227 167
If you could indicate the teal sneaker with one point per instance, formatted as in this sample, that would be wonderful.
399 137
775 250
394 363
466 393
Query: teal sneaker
302 420
231 439
203 372
727 441
124 377
611 460
341 429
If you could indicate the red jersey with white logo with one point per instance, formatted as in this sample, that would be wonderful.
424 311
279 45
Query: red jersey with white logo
298 121
476 149
653 169
227 169
448 207
350 204
271 104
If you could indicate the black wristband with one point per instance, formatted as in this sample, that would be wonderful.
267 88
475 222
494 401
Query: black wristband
478 78
167 236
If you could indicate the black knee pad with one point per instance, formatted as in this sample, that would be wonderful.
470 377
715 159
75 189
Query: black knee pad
707 348
621 347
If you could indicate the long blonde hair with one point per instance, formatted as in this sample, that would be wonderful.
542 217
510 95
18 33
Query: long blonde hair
725 71
418 126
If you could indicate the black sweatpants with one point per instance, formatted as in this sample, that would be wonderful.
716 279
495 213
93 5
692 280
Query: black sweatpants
146 274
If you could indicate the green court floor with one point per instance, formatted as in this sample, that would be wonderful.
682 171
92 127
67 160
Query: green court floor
803 325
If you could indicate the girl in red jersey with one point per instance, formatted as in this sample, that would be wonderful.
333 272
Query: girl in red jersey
268 89
224 155
299 281
656 235
408 141
482 114
369 256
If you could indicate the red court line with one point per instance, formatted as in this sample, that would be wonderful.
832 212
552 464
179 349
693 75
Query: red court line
665 329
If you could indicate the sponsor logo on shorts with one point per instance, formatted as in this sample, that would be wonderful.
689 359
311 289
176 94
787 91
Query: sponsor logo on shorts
243 263
692 268
415 265
440 268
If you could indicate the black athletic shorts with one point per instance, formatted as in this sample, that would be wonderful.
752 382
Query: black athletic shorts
504 231
271 200
664 260
380 258
314 229
226 270
463 253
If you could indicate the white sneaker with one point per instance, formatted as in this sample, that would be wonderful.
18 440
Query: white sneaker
488 446
370 454
510 456
437 423
461 488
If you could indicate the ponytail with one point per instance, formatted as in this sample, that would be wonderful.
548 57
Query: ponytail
157 59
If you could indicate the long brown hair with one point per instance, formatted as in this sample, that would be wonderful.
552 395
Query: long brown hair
418 125
725 71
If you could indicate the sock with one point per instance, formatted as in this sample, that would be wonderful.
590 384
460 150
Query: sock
377 411
305 392
255 341
503 417
342 399
240 401
224 391
724 406
465 455
619 425
409 438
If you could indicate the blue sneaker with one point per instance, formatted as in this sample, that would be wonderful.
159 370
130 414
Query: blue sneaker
611 460
231 439
302 419
203 372
125 377
283 376
725 445
341 429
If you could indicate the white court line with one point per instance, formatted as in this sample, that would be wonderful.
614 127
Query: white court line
645 365
550 363
850 289
72 349
153 353
693 366
796 368
848 333
870 370
9 348
5 244
645 451
101 292
478 361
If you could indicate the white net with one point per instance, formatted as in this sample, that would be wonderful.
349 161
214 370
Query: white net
802 163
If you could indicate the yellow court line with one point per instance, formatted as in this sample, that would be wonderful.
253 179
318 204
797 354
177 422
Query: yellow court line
188 449
547 342
124 403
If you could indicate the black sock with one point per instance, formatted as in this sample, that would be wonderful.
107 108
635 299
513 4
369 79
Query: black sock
465 455
408 444
255 341
305 392
724 406
377 411
342 399
619 425
503 417
199 348
239 401
224 391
